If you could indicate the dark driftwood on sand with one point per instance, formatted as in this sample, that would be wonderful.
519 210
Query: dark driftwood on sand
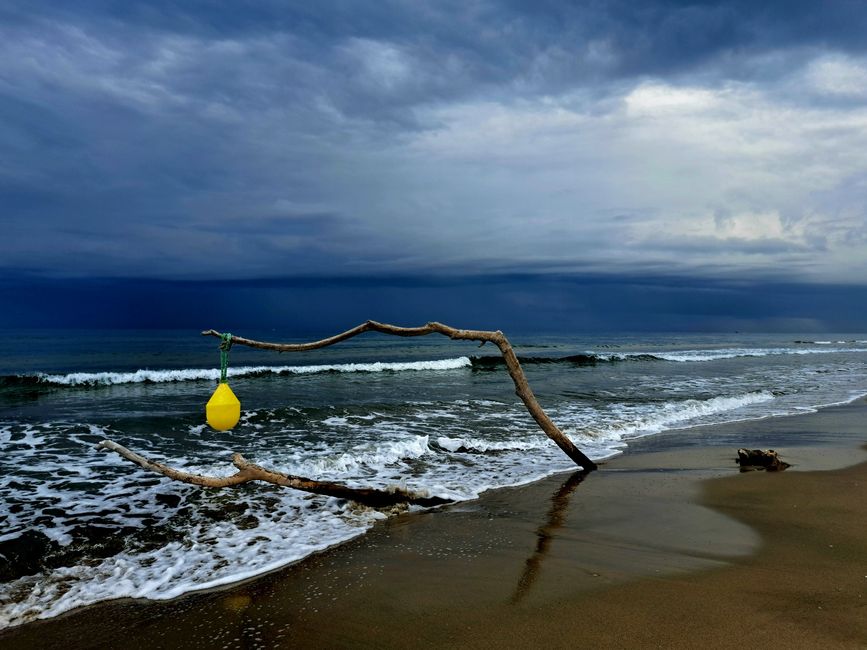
750 459
522 388
247 472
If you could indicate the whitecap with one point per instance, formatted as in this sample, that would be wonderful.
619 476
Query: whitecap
213 374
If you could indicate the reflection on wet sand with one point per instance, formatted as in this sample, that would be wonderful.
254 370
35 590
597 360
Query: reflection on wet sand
545 533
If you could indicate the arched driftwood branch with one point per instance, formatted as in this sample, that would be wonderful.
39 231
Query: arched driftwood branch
522 388
247 472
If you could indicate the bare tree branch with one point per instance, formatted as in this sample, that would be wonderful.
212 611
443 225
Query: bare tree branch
247 472
522 388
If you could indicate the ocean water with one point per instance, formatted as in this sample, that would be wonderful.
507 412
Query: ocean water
78 525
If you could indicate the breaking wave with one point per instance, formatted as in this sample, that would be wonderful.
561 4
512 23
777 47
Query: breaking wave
679 356
144 376
213 374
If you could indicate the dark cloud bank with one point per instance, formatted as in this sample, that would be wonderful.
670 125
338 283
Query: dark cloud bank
516 304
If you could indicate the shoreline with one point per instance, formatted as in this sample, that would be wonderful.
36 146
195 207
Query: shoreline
543 560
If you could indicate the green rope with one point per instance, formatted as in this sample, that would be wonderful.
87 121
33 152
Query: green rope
225 346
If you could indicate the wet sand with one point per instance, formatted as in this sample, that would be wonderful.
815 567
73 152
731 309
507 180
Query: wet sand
666 546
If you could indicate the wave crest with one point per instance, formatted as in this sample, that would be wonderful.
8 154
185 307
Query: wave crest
213 374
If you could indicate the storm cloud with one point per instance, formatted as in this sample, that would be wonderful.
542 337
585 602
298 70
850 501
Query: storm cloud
193 141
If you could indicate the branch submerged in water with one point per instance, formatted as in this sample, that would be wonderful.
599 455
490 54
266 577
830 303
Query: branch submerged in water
248 472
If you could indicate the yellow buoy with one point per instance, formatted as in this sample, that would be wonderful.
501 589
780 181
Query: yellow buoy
223 410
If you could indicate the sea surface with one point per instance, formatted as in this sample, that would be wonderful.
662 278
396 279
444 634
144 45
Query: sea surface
78 525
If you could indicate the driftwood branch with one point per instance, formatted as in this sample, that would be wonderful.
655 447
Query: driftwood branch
752 459
522 388
248 471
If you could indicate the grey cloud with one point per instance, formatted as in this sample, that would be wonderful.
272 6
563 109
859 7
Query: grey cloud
143 138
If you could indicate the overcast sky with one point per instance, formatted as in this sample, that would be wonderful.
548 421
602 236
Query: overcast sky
717 141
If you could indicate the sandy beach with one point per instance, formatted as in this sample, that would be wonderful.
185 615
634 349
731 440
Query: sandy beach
667 546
